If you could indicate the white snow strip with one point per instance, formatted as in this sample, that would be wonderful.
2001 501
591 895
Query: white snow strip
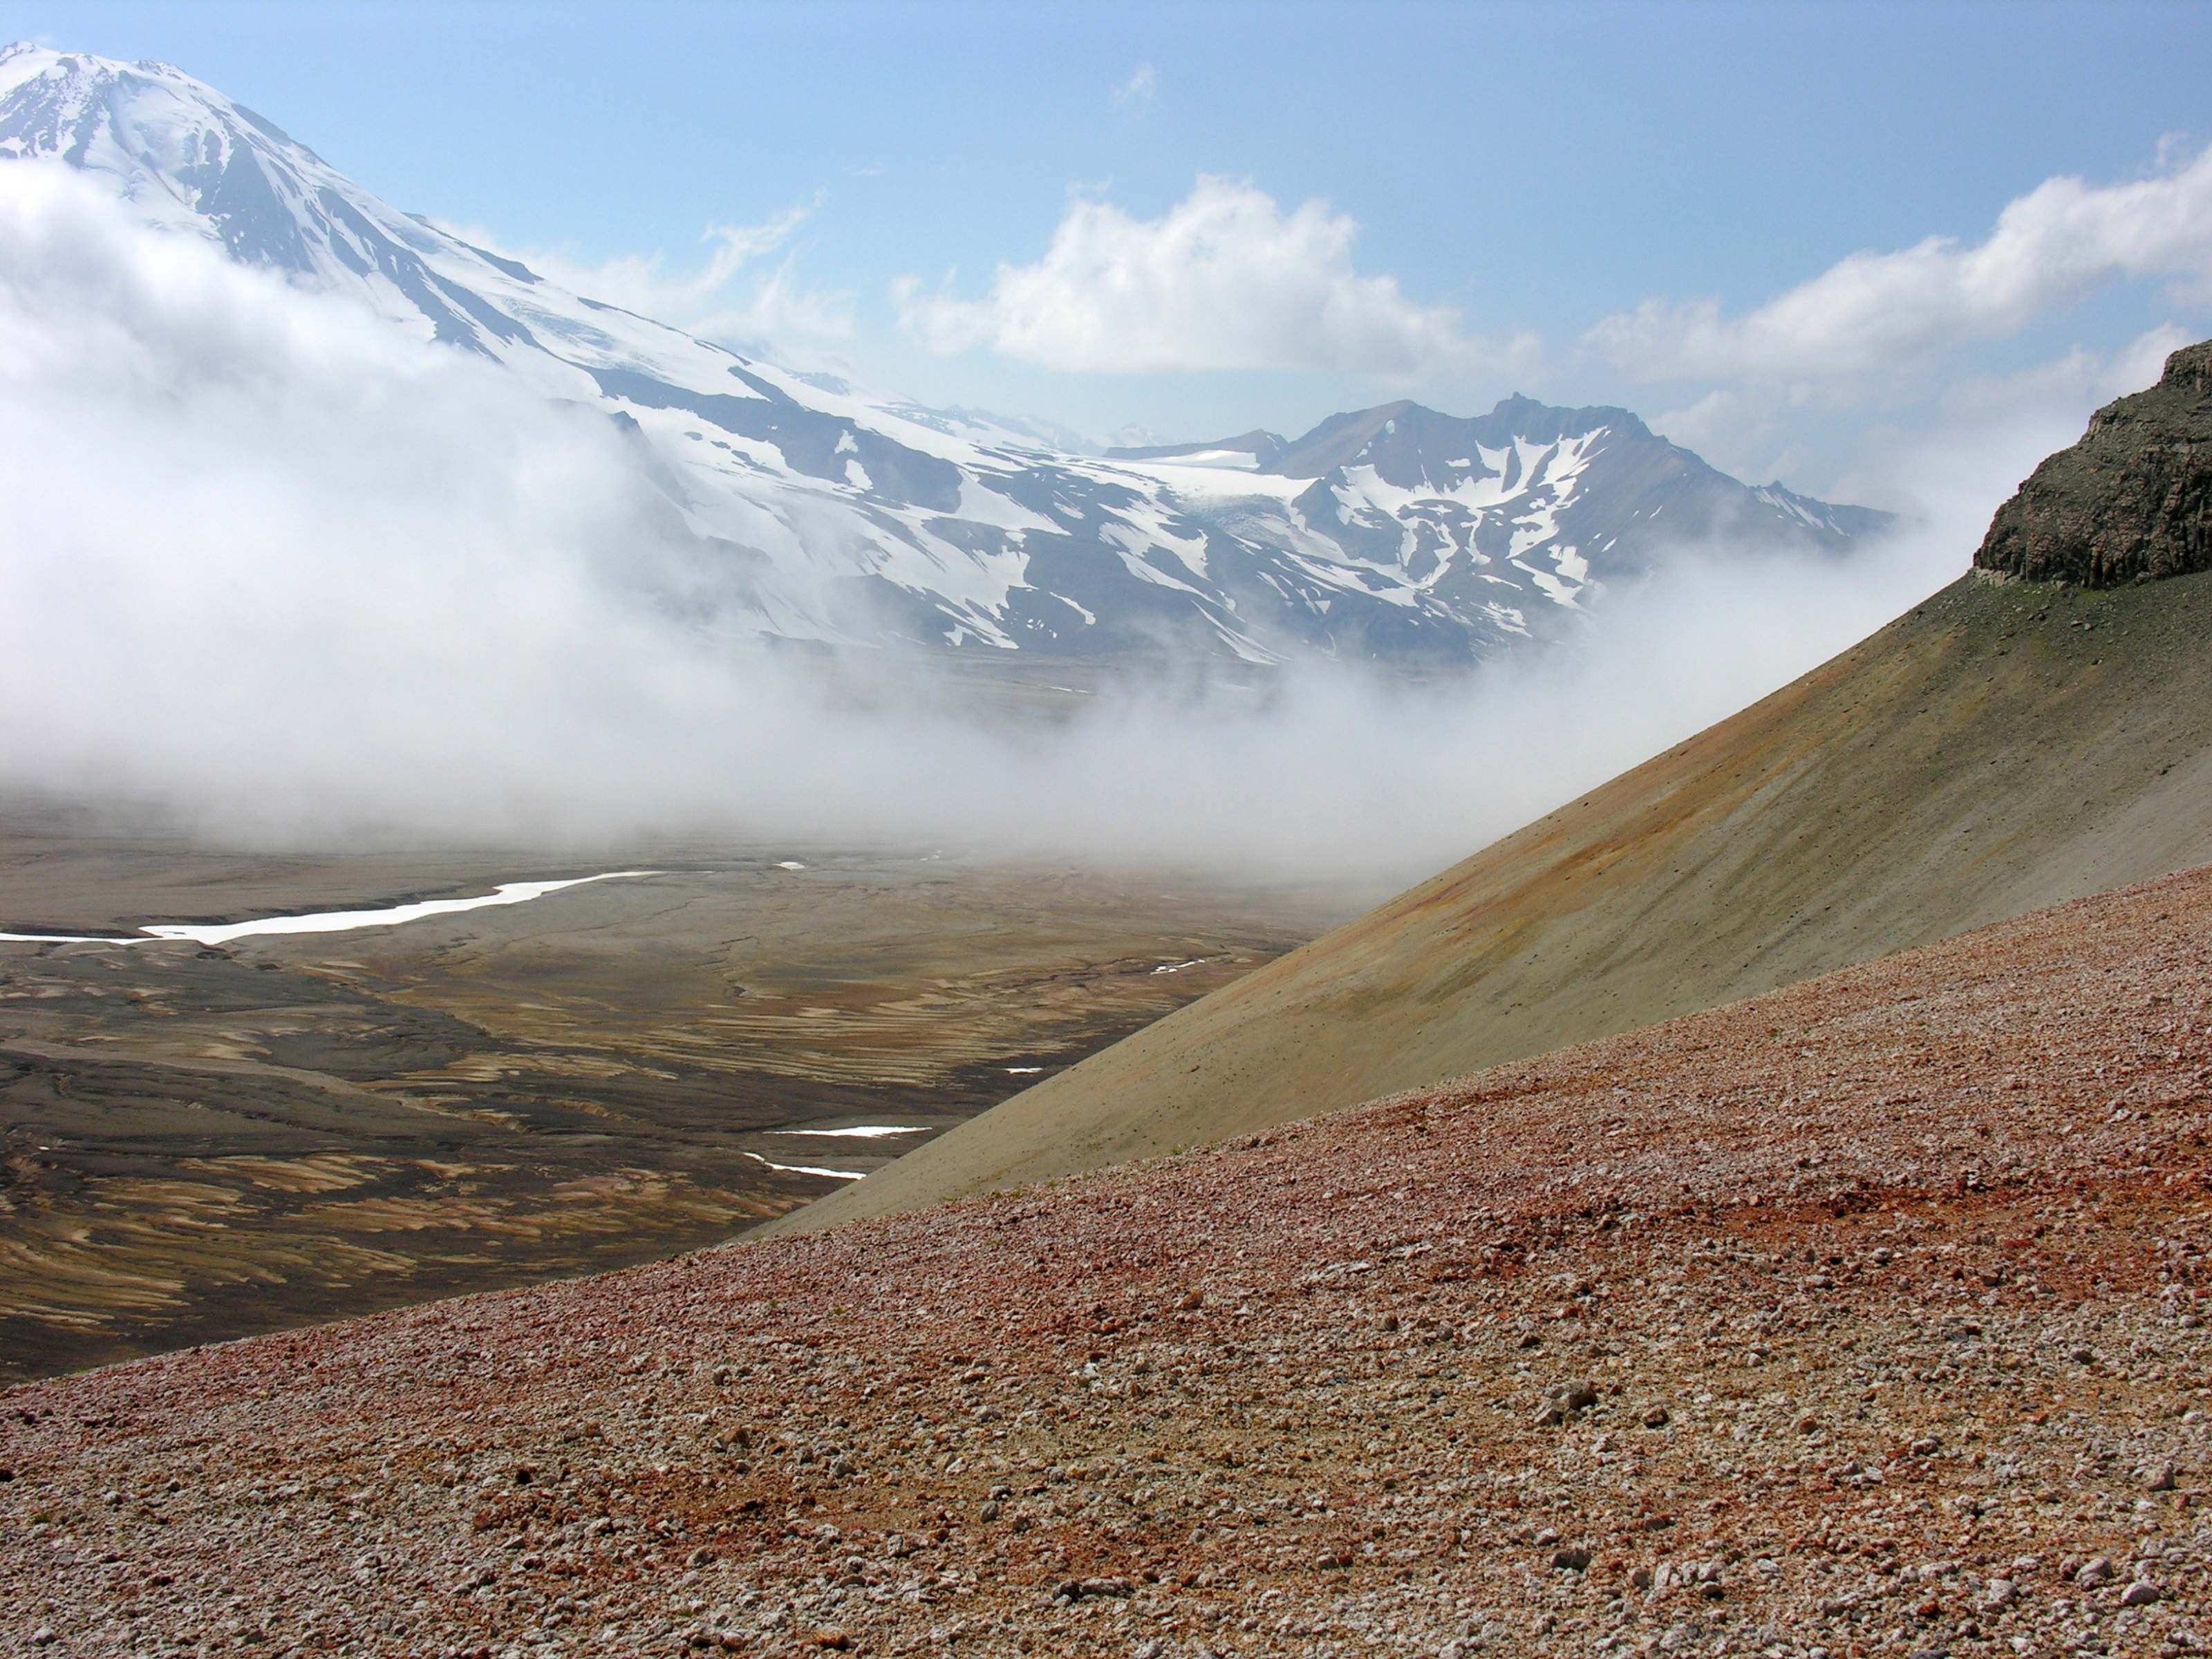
1199 483
863 1131
1143 525
328 921
808 1169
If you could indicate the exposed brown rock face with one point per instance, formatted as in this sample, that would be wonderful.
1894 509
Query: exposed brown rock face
1863 1316
2131 501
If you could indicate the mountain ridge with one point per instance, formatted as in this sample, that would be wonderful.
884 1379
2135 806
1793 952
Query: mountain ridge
854 520
2131 501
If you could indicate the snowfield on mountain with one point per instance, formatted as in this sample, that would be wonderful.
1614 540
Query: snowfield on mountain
1393 533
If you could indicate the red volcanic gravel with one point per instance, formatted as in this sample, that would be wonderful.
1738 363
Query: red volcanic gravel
1859 1318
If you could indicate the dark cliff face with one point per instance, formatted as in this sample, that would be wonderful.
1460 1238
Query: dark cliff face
2131 502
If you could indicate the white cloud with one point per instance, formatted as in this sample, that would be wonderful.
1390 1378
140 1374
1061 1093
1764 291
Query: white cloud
273 562
2052 247
777 313
1142 88
1224 279
2082 378
1736 431
1769 427
701 302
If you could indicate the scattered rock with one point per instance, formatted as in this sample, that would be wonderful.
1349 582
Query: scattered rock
1563 1400
1082 1590
2141 1594
1655 1417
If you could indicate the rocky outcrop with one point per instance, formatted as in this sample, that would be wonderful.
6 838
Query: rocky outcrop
2131 501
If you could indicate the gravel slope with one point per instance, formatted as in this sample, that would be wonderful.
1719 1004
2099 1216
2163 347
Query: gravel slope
1861 1315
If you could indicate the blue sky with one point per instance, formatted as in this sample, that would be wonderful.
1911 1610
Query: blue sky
950 200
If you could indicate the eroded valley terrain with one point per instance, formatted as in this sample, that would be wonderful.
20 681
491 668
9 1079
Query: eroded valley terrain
201 1141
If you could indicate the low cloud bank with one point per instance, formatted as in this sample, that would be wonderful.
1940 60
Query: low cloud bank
275 567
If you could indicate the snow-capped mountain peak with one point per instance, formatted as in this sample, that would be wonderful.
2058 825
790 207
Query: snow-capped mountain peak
1390 533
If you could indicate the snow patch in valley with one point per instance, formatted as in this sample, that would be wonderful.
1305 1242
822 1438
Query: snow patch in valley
808 1169
328 921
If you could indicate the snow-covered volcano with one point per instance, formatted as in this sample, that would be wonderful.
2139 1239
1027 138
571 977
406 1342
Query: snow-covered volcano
1395 533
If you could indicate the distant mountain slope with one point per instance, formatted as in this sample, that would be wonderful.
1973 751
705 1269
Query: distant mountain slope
2005 746
1395 533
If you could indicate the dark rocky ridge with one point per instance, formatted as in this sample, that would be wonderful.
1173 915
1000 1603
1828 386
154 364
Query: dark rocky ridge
2132 502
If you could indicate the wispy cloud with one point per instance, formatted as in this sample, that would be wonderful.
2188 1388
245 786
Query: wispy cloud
1142 88
2081 377
772 304
1769 427
1225 279
2061 242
